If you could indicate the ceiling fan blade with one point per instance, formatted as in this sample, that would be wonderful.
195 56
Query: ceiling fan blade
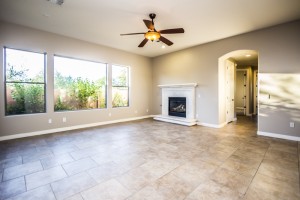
149 24
165 40
143 42
172 31
131 34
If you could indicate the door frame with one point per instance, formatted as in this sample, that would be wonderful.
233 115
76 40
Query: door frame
222 81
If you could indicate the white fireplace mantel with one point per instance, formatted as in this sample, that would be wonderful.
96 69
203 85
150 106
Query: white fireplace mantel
178 85
188 91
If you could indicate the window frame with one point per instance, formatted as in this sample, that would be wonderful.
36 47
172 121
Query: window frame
120 86
25 82
80 59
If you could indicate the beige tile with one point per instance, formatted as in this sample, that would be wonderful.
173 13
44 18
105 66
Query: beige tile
79 166
106 171
63 148
273 154
84 153
173 187
275 187
75 197
53 161
44 193
136 179
260 195
253 148
12 187
224 148
111 190
70 186
149 193
287 172
214 156
212 190
44 177
239 167
232 180
154 160
10 162
21 170
285 147
249 154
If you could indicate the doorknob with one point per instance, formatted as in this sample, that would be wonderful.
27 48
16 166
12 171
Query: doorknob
232 99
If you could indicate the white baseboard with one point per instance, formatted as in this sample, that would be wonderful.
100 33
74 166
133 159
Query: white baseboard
22 135
276 135
212 125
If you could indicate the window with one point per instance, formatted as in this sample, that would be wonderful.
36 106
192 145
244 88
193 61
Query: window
24 82
120 87
79 84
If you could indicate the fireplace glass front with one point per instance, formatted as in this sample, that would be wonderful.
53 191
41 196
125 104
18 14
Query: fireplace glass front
177 106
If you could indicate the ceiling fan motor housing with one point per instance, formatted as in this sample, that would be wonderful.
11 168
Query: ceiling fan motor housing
152 15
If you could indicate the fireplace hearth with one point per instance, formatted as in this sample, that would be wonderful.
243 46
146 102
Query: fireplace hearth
177 106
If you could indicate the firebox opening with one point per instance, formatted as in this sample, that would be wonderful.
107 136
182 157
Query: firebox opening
177 106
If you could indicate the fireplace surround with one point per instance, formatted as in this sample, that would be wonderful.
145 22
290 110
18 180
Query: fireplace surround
179 92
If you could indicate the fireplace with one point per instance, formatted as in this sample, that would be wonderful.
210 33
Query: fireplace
177 106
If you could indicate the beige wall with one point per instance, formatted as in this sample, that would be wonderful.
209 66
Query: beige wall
19 37
279 52
278 49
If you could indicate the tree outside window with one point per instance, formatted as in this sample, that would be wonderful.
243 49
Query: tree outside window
79 84
24 82
120 86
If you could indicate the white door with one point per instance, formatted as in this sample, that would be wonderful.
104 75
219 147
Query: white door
229 91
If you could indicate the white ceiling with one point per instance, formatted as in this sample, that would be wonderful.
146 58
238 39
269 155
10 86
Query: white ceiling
245 58
102 21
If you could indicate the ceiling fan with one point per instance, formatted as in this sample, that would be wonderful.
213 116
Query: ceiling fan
155 35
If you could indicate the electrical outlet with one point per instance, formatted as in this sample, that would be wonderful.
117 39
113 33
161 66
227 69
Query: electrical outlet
292 124
147 110
135 111
109 114
50 121
64 119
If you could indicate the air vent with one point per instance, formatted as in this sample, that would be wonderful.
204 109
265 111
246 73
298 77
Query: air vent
58 2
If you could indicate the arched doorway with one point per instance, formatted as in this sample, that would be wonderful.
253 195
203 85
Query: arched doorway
232 101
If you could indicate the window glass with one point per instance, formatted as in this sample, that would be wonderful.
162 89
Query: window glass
79 84
24 82
120 86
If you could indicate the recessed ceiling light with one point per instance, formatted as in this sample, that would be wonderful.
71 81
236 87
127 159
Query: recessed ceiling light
248 55
163 46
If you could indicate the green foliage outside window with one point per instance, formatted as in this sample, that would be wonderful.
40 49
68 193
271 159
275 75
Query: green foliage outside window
24 84
79 91
120 89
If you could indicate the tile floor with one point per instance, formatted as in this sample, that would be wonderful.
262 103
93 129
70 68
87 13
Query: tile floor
151 160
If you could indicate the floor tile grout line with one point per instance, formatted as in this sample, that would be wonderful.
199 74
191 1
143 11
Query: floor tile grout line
256 171
53 191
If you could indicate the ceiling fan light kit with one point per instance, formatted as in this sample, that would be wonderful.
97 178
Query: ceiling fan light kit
155 35
152 35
